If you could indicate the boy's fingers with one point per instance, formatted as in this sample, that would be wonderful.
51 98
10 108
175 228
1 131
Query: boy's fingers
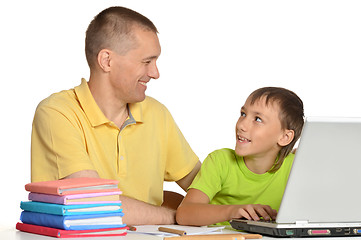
252 212
244 214
263 213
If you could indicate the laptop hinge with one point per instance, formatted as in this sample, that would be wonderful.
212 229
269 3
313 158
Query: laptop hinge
302 222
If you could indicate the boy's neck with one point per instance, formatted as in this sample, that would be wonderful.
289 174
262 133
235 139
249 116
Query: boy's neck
260 165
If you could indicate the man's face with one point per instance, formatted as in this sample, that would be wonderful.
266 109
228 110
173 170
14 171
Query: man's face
131 72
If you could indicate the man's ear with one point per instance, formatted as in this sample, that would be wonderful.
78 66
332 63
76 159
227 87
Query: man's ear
104 57
286 138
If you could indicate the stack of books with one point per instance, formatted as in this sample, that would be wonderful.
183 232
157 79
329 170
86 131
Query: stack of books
77 207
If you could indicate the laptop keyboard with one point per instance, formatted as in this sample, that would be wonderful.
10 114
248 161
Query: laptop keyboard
267 221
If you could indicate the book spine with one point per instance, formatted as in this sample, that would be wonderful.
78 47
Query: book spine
51 232
42 189
40 197
43 219
40 207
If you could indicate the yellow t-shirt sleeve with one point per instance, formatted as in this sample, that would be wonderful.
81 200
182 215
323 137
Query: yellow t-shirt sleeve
58 148
180 157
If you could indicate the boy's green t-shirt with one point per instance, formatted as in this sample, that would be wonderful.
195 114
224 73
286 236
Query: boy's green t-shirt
226 180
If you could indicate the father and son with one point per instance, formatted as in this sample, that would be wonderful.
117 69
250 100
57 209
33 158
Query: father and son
108 128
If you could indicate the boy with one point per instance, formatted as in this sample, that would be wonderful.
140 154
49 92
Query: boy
248 182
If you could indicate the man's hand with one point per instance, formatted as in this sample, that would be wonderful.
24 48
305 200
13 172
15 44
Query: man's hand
140 213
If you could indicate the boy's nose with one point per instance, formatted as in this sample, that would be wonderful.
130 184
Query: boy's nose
241 124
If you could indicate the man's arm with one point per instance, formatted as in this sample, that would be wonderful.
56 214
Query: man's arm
144 213
137 212
185 182
172 199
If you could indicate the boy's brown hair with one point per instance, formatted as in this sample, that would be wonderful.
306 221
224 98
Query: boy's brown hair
112 29
291 115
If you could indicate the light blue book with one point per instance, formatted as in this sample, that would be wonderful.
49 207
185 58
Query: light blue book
66 210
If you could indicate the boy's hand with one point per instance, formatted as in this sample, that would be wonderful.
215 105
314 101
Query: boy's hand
255 212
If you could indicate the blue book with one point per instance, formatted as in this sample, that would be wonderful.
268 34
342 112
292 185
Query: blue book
59 209
74 222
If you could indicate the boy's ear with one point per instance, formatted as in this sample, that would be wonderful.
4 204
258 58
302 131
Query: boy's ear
286 138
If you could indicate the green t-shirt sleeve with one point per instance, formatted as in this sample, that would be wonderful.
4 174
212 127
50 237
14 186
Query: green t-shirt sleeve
208 179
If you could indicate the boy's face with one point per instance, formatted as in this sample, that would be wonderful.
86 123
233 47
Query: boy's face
258 130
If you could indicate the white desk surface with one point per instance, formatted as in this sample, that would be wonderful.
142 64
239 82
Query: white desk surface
10 233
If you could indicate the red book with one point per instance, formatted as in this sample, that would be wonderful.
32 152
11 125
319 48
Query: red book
73 186
59 233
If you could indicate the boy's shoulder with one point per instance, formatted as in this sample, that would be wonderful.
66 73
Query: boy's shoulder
226 151
287 162
223 154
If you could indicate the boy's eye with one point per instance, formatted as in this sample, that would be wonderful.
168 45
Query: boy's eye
258 119
243 114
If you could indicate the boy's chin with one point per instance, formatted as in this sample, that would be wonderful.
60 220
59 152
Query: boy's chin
238 152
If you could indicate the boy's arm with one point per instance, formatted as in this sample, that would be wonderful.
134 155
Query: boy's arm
196 210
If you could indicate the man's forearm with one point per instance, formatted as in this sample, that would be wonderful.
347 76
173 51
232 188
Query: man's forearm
140 213
137 212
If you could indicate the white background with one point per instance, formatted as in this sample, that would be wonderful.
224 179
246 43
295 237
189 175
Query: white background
214 53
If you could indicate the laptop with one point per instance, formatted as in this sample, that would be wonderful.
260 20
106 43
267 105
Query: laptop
322 196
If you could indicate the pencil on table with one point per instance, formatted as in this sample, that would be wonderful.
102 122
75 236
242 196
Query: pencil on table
132 228
237 236
208 237
172 230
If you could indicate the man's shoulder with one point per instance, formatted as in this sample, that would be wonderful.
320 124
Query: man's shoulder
59 100
152 102
153 106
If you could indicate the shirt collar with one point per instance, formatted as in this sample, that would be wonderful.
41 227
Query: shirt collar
93 112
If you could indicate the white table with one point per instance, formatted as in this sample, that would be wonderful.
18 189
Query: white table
10 233
13 234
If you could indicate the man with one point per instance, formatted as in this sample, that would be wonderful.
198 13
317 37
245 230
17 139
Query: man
108 128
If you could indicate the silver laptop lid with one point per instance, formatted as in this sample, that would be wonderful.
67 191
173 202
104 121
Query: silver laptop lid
324 183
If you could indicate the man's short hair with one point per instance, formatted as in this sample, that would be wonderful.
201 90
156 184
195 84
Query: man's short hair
112 29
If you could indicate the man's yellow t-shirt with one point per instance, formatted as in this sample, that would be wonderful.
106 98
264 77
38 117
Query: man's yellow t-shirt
70 133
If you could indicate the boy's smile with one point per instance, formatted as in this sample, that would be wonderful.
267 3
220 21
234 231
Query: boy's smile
242 139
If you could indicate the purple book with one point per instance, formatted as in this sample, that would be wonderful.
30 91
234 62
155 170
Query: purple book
84 198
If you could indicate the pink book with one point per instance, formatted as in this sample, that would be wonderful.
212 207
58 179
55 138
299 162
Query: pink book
73 186
83 198
59 233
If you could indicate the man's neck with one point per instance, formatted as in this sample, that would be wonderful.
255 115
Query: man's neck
114 109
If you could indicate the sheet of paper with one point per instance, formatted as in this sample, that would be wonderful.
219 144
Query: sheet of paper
190 230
